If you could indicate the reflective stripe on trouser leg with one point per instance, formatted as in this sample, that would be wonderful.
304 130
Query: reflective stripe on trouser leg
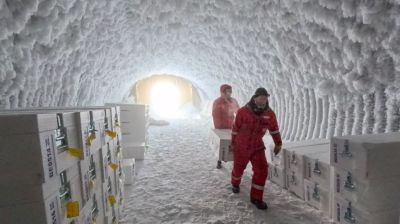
258 187
236 178
240 161
260 173
236 181
237 172
274 132
257 192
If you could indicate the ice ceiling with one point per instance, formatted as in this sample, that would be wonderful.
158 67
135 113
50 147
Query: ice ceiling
332 66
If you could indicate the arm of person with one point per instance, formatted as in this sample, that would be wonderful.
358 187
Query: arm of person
237 123
217 115
236 105
276 135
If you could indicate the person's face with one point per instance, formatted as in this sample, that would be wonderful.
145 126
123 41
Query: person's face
228 93
261 101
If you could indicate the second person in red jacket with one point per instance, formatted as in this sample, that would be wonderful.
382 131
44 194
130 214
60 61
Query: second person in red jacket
224 108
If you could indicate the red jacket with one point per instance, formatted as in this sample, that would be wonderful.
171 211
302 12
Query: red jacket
223 112
249 128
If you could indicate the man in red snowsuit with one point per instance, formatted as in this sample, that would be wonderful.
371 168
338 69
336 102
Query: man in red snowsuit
251 123
224 108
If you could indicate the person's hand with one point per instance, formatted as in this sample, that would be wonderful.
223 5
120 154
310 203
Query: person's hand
230 148
277 149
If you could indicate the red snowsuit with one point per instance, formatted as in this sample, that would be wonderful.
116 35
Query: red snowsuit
247 133
223 110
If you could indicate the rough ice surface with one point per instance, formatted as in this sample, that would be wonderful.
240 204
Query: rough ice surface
178 183
332 66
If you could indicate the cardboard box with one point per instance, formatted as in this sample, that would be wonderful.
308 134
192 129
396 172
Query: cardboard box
369 195
108 161
318 168
277 175
16 123
344 212
46 211
295 157
219 141
90 174
20 192
318 197
280 159
367 156
134 151
295 182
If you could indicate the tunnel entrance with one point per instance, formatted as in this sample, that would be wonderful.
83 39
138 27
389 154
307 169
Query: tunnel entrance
169 96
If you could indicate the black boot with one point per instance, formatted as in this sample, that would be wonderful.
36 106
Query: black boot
219 164
259 204
235 189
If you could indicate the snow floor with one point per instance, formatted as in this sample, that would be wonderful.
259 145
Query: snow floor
178 183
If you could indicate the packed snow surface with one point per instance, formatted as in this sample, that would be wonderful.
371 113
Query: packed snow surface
178 183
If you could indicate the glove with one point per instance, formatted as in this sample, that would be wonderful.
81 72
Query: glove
277 149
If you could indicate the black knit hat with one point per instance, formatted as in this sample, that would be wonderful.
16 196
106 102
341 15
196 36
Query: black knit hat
261 92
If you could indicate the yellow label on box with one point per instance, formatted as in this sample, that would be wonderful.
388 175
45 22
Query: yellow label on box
72 209
111 200
90 139
92 184
75 152
113 166
112 134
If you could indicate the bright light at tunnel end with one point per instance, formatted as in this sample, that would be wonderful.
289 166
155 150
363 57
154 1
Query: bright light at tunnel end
165 100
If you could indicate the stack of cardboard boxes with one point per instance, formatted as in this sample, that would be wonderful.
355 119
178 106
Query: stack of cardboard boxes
366 178
62 165
134 121
351 179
